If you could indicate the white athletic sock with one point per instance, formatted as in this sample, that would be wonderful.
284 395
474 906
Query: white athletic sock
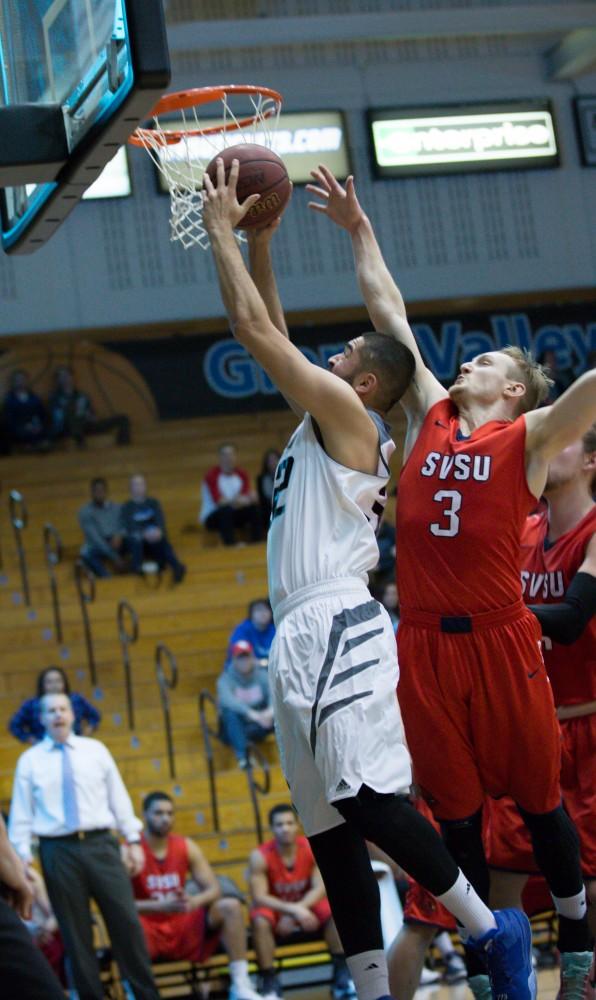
572 907
465 904
239 971
444 943
368 970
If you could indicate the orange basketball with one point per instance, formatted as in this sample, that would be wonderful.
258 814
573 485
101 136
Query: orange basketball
261 172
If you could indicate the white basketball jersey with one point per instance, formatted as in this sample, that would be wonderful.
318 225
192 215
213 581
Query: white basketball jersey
324 516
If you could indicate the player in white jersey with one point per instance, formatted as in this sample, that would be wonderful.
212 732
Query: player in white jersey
334 662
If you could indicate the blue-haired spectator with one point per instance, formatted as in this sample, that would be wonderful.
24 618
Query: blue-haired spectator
26 724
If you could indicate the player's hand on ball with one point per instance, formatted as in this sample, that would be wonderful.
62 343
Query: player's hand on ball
220 202
260 236
337 203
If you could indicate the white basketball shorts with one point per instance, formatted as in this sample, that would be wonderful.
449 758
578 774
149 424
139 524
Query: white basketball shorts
333 673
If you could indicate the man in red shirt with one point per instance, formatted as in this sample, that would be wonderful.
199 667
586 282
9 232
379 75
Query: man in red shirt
228 502
178 925
474 691
558 567
289 897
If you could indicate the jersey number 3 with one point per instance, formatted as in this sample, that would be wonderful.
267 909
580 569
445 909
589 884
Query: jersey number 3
450 524
282 481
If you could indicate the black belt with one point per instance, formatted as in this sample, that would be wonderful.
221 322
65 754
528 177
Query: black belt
77 835
456 623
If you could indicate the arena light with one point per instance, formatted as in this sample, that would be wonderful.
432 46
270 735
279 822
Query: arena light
113 181
457 139
303 140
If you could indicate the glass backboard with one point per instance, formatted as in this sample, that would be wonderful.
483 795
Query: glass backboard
77 77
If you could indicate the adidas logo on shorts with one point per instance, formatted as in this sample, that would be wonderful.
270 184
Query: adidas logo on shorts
342 786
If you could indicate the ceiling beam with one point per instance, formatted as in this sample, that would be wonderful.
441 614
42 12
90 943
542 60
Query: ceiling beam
559 20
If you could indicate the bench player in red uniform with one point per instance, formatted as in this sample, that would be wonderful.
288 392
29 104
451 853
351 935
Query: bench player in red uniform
289 897
473 687
559 584
177 925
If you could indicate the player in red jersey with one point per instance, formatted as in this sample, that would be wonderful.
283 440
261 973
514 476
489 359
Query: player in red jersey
473 687
559 584
289 897
178 925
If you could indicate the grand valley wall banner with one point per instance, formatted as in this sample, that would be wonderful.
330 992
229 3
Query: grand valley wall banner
204 374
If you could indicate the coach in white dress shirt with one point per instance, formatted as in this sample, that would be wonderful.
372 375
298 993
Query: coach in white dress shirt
68 792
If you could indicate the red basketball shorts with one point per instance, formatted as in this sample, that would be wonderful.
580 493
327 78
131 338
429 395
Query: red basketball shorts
506 838
321 910
180 936
478 711
422 907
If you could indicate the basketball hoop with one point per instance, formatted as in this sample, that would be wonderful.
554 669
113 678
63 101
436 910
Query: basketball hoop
181 145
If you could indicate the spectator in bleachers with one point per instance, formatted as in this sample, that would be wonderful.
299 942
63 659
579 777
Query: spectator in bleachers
25 418
243 701
288 899
562 377
26 724
265 481
22 968
389 599
180 925
144 527
258 629
68 793
72 414
227 501
100 522
386 543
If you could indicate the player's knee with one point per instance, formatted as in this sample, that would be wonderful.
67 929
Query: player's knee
554 826
229 909
260 925
463 835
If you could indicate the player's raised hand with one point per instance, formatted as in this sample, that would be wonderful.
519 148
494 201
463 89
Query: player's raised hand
260 236
220 201
336 202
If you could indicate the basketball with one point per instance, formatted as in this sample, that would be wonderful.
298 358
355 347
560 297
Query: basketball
261 172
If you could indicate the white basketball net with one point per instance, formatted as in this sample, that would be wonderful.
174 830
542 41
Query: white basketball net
182 164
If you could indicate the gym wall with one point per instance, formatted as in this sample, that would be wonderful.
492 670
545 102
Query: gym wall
492 234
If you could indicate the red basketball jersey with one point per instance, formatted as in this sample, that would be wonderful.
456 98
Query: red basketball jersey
161 877
547 571
289 884
461 508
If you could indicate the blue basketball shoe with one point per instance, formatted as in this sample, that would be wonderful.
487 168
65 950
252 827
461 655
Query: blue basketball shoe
508 953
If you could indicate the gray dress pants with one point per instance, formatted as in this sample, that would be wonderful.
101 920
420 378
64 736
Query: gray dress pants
76 871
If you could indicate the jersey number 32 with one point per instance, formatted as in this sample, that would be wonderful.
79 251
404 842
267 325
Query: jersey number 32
282 481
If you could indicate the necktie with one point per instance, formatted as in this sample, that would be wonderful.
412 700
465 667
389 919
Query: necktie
69 792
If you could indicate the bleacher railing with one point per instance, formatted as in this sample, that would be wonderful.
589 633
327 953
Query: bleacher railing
52 546
128 633
167 682
85 583
19 518
210 733
256 762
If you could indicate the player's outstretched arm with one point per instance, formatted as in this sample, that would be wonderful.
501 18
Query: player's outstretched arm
552 428
350 435
263 275
381 295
